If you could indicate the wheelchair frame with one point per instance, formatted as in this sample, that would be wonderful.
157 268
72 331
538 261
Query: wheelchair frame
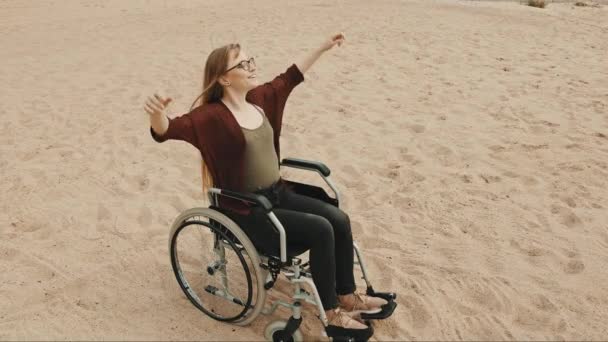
291 267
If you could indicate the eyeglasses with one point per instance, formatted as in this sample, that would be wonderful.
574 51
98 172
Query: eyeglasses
246 65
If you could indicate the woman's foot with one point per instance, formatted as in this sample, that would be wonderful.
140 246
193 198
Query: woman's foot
358 303
340 325
342 319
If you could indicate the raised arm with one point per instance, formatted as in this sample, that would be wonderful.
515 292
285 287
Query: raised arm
309 59
162 128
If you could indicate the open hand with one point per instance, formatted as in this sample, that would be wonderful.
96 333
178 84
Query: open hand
157 105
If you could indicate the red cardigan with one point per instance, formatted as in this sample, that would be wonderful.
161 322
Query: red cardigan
215 132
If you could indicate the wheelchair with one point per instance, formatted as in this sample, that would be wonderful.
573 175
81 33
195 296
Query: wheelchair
231 283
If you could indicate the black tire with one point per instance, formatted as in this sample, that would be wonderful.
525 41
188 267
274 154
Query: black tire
275 327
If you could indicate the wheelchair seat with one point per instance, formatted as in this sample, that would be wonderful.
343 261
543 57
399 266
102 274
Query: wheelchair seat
301 189
292 251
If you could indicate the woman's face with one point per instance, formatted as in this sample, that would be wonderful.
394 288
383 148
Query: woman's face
242 72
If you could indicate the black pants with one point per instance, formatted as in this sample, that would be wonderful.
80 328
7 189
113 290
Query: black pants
309 224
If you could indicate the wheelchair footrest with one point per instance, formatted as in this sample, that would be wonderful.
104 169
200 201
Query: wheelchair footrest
387 309
388 296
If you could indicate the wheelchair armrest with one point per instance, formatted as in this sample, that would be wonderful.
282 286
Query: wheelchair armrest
260 200
307 164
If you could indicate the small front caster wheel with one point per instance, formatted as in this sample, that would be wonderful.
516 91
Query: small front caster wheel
274 331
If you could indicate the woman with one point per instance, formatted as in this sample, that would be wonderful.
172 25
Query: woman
236 126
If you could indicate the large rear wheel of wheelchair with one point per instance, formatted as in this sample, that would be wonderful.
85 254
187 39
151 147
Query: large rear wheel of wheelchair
217 266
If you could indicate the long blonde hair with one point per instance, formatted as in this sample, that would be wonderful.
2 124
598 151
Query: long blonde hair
212 91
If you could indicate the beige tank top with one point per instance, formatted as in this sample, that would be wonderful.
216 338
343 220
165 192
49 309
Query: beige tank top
261 162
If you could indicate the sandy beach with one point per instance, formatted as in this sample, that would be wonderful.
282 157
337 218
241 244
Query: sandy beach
469 141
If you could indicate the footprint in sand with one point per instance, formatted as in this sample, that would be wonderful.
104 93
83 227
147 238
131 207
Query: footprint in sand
543 303
570 167
528 249
466 179
532 147
574 267
528 317
529 180
143 183
409 216
569 201
392 171
413 176
408 158
445 155
489 178
600 135
416 128
574 147
378 123
465 310
497 148
8 254
541 129
567 216
327 135
548 123
346 129
510 174
601 164
25 225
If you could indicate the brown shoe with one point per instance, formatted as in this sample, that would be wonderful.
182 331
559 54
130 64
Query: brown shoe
342 319
341 325
358 303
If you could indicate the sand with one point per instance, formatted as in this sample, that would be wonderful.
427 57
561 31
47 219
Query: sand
469 141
